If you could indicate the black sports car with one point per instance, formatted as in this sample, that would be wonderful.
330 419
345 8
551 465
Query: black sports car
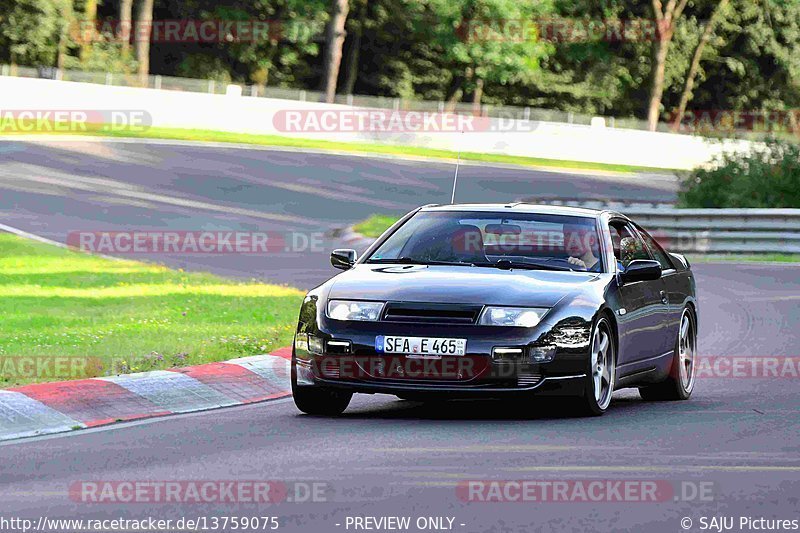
492 300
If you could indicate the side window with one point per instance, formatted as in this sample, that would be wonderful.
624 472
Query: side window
628 245
656 250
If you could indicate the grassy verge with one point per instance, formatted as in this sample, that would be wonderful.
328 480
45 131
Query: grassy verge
364 147
375 225
126 316
761 258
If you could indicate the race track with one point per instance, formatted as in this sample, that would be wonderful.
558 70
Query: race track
738 437
53 188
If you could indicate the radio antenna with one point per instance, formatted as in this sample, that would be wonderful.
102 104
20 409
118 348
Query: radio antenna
455 177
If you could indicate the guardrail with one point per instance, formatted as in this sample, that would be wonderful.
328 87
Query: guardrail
753 231
723 230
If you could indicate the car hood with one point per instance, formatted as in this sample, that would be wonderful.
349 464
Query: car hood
456 284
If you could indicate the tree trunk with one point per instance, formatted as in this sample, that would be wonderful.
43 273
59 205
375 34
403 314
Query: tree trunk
666 18
657 88
454 92
62 48
354 51
144 27
477 96
688 85
89 26
67 22
794 123
334 40
125 17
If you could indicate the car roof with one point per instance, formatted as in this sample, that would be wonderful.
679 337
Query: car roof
521 207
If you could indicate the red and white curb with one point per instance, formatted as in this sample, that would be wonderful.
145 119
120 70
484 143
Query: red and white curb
46 408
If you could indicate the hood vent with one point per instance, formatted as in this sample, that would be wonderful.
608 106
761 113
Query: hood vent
430 313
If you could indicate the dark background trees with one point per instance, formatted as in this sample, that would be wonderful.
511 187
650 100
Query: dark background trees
705 54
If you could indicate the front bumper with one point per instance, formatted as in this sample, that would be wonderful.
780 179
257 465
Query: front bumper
474 374
544 386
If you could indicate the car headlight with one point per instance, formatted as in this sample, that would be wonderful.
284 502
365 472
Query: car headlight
525 317
350 310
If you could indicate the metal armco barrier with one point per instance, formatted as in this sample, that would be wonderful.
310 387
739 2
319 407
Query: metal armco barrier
722 230
711 230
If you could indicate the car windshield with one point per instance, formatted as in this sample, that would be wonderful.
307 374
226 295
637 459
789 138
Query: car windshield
501 240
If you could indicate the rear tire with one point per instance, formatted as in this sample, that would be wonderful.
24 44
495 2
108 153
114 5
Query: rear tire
601 371
319 400
680 382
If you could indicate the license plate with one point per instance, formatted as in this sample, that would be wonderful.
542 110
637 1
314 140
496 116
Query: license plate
420 345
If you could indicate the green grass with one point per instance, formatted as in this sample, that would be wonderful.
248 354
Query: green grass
364 147
128 316
761 258
375 225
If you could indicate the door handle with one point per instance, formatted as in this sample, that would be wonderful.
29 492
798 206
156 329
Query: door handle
664 298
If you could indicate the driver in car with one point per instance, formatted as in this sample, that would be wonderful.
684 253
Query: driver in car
580 243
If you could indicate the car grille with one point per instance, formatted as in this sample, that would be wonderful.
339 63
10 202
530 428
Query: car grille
528 379
431 313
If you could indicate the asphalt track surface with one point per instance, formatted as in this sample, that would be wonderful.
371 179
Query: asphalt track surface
739 437
54 188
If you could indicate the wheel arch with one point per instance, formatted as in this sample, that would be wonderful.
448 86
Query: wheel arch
692 307
606 313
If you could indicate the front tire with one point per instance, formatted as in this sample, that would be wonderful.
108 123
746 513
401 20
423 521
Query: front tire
680 382
602 370
319 400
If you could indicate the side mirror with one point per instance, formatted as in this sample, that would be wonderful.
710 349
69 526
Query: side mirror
642 270
343 259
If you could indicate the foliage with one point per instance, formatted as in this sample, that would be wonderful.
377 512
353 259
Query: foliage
102 56
424 49
375 225
30 30
769 176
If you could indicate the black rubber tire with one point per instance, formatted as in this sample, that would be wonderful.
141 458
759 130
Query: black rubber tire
587 405
671 389
319 400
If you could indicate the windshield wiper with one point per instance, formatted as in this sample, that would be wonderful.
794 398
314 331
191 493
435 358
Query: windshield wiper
400 260
412 261
505 264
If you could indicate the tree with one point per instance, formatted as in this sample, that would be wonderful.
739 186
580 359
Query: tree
144 28
478 43
666 20
30 31
688 85
125 17
88 26
334 41
285 55
67 16
353 46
